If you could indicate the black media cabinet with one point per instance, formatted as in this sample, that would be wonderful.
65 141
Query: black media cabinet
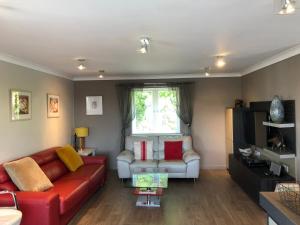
253 179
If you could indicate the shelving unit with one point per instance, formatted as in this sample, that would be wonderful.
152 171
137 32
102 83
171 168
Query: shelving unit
279 125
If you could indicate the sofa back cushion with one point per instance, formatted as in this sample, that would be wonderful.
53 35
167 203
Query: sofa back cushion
129 141
49 162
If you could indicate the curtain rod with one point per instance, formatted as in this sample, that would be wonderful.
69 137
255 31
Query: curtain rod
154 84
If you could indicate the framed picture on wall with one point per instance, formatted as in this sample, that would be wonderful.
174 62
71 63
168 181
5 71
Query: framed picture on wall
53 106
94 105
20 105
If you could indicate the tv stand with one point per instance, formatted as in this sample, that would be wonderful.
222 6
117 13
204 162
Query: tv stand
254 179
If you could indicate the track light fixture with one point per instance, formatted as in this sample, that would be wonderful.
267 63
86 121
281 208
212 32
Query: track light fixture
285 7
145 44
81 65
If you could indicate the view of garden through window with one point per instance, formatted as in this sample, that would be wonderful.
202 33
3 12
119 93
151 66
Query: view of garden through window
155 111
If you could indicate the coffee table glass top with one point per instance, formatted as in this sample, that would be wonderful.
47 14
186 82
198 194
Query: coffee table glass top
150 178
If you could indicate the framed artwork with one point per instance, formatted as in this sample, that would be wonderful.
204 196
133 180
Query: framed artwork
20 105
53 106
94 105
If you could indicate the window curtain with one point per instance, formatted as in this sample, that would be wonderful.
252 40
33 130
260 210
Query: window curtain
125 98
184 105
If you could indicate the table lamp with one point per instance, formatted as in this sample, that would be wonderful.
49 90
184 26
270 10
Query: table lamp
82 132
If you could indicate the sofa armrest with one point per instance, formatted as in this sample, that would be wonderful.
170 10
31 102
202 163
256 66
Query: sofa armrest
37 207
126 156
190 155
94 160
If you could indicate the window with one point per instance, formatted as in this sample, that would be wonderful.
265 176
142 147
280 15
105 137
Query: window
155 111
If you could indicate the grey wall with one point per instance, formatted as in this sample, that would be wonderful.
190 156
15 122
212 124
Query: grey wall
281 79
104 130
20 138
211 98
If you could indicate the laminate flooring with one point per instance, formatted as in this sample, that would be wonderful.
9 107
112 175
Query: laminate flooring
215 199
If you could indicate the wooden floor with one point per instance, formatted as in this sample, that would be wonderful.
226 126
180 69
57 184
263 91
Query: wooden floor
213 200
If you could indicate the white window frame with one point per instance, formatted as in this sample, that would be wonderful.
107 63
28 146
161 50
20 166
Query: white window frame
155 111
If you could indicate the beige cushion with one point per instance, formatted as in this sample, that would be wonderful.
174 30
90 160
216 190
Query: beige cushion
27 175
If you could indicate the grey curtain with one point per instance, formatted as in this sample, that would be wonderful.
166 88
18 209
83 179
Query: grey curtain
185 105
127 115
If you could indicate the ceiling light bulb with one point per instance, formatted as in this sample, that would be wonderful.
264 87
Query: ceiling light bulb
100 76
143 50
81 67
220 62
206 72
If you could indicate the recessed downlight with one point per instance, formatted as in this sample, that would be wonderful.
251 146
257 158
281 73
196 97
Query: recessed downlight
101 74
81 65
206 71
220 61
285 7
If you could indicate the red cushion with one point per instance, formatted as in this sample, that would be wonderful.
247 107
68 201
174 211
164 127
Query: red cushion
71 193
173 150
93 173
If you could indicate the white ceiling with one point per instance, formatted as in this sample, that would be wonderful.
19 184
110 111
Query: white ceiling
185 35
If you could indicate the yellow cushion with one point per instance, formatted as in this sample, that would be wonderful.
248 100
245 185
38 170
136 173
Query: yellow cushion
70 157
27 175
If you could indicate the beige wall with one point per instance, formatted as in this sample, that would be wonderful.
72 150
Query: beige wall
20 138
281 79
212 96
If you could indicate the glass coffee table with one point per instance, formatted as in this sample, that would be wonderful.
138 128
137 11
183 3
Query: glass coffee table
149 184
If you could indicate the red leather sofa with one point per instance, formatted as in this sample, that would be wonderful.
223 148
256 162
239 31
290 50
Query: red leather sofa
59 204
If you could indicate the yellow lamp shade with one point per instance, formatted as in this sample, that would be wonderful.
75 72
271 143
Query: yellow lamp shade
82 131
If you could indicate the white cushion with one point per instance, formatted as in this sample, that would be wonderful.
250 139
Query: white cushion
129 141
173 166
144 164
143 150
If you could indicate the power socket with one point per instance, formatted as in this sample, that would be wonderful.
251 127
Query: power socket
286 167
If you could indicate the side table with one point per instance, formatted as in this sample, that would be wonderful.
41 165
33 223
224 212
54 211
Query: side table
87 152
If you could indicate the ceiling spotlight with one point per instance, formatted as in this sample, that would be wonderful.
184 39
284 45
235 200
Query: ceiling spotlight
285 7
220 61
101 74
81 65
145 43
206 71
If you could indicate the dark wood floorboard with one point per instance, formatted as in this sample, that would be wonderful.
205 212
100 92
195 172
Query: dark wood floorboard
213 200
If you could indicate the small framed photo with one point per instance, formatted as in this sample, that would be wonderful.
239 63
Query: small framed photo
53 106
94 105
20 105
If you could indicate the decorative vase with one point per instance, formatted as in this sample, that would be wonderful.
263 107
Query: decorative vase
276 110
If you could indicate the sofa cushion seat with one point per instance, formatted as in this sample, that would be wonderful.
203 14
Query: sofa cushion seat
71 192
93 173
173 166
143 164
